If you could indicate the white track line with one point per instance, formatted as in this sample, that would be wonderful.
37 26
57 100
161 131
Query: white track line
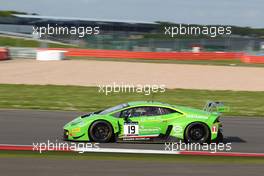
134 151
121 150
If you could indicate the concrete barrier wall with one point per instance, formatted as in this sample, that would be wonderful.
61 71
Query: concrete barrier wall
72 52
48 55
25 53
30 53
253 59
3 54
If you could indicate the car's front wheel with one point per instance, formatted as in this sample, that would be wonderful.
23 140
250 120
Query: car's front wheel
101 131
197 133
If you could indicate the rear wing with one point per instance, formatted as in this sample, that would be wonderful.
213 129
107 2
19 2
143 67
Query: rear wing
216 106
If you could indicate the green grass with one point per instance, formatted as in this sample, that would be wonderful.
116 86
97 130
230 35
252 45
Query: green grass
78 98
136 157
19 42
233 63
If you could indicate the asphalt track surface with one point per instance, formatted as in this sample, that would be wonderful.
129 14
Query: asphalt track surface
28 126
25 127
69 167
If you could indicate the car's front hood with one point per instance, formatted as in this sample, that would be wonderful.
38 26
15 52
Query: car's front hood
81 120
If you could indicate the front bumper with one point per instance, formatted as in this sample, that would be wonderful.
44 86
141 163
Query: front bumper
71 135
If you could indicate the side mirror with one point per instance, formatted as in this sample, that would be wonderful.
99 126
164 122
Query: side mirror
126 115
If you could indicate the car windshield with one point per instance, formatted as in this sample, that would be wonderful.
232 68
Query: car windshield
112 109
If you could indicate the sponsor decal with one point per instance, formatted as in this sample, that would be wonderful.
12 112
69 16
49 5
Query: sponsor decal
177 129
194 116
149 130
76 130
131 129
143 137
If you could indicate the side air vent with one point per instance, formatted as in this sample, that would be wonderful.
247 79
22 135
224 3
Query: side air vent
168 131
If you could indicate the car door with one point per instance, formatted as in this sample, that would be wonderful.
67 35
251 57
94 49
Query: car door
141 121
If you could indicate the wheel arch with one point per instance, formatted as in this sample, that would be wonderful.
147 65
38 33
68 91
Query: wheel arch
114 125
201 122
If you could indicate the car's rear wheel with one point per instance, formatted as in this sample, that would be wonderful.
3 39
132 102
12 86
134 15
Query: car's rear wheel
101 131
220 137
197 133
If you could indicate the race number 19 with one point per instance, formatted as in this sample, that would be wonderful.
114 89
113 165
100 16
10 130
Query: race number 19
131 129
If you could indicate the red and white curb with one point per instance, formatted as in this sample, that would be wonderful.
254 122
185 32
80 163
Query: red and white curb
8 147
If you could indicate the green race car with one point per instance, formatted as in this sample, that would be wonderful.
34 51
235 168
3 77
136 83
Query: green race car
148 120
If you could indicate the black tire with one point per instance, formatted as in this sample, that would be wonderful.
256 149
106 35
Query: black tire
197 133
220 137
101 131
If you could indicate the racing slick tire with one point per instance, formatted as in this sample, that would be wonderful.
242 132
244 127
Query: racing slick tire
101 131
220 137
197 133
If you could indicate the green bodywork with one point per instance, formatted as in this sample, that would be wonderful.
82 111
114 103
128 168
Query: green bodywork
77 130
